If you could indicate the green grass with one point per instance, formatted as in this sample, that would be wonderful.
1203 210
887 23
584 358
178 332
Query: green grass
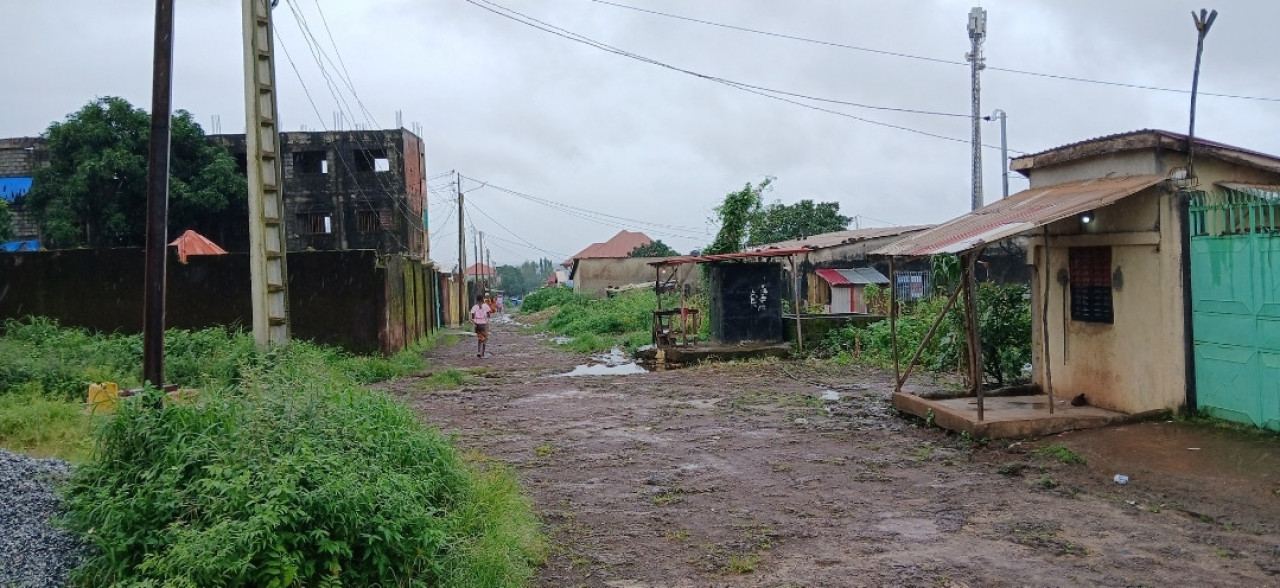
1061 453
38 425
284 470
598 325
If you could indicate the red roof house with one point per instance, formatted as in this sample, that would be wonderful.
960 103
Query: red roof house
621 245
193 243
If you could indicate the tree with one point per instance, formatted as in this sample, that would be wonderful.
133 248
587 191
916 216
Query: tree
735 215
6 222
653 249
512 280
94 190
781 222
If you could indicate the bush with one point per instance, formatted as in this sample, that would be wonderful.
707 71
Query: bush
295 476
598 325
546 298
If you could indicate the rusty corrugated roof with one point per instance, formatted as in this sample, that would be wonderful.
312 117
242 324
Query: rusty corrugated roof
193 243
1141 139
842 237
621 245
729 256
1018 213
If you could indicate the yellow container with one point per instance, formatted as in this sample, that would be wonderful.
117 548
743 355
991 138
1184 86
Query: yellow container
103 396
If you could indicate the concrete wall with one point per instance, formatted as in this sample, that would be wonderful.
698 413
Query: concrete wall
595 275
20 157
350 299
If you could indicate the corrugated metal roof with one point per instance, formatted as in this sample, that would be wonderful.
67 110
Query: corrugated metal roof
1140 139
12 188
1018 213
843 237
193 243
729 256
833 277
852 276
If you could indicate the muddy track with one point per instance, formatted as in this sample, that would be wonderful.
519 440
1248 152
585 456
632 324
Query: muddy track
745 475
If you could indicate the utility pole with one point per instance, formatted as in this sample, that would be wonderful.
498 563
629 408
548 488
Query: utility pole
158 197
493 273
1203 22
977 32
267 243
475 245
1004 150
462 252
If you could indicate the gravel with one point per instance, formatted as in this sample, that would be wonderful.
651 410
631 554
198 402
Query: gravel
33 553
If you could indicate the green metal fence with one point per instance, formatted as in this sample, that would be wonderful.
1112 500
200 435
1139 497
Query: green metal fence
1235 291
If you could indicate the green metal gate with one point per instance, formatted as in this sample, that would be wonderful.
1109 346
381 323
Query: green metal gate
1235 294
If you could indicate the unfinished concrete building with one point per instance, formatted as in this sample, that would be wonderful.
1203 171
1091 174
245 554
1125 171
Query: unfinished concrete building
350 189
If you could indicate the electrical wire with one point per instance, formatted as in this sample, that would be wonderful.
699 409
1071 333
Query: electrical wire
934 59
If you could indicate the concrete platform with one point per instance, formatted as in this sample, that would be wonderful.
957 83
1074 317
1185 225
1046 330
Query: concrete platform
1009 416
683 354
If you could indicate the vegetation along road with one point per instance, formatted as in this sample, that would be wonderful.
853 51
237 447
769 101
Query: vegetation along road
798 473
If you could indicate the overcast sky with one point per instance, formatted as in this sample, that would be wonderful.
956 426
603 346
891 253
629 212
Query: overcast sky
518 107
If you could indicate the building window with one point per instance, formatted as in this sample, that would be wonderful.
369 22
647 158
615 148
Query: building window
315 223
370 221
1090 271
310 162
372 160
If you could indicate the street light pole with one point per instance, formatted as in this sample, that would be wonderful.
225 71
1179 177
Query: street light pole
1004 149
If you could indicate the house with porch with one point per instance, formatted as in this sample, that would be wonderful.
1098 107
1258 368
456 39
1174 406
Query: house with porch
1155 283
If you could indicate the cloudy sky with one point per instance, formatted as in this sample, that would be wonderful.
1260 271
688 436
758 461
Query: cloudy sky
591 132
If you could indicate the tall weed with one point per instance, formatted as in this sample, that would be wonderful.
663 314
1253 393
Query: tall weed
295 476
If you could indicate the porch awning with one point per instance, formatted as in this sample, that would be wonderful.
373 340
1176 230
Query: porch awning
852 277
1021 212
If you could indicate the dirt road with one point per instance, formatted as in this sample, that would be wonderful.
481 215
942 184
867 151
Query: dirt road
800 474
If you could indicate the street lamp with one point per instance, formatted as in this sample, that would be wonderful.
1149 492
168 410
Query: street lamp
1004 149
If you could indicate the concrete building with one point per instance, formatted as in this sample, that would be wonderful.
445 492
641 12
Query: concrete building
1155 285
342 189
20 157
351 189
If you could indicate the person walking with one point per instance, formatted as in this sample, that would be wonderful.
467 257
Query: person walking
480 318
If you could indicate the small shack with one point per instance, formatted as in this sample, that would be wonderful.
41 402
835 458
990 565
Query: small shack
1154 285
746 291
848 288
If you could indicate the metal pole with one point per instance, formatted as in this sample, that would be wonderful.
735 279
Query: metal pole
1004 153
462 252
977 31
1203 22
158 197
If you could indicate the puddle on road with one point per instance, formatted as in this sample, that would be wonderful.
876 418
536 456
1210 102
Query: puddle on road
830 395
613 363
562 340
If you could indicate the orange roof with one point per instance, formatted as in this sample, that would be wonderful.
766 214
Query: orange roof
621 245
480 269
193 243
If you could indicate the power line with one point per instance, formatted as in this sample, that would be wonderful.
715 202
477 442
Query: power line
754 89
933 59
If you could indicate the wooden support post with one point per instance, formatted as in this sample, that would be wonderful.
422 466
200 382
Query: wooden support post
795 296
893 325
971 329
1044 321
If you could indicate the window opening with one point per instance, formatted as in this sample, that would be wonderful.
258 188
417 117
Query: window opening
1090 271
372 160
310 162
315 223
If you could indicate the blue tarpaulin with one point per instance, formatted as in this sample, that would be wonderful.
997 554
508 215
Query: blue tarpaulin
12 188
20 246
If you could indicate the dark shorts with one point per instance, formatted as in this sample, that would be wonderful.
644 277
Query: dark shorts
482 332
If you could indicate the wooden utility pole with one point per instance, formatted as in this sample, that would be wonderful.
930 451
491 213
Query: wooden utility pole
267 243
462 252
158 198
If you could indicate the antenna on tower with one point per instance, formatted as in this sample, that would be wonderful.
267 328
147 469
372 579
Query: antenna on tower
977 33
